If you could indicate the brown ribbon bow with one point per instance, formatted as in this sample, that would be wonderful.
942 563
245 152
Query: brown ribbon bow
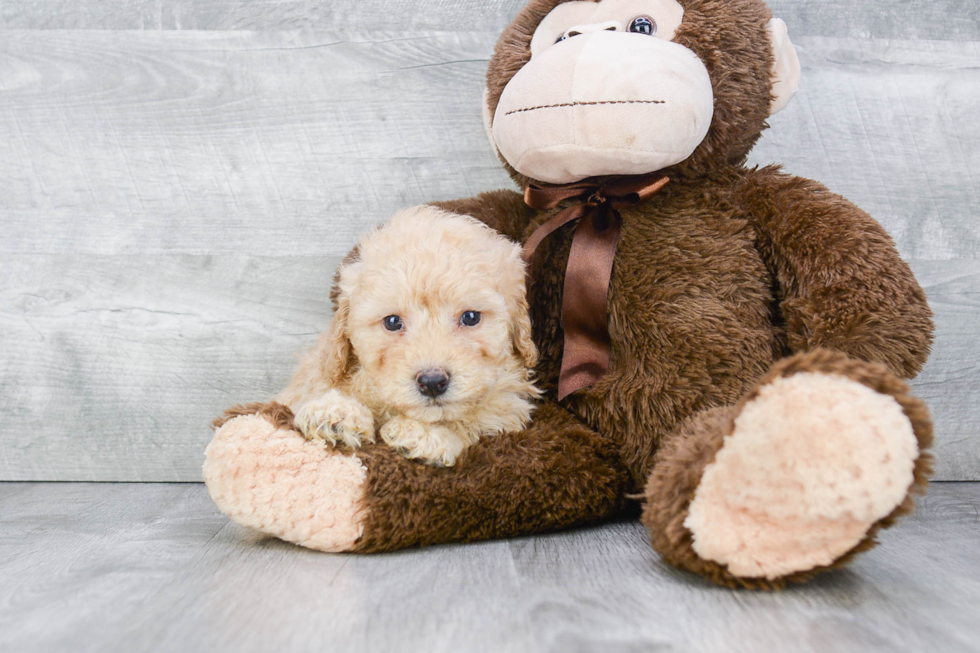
584 319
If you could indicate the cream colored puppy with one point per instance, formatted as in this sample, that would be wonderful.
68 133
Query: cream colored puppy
430 344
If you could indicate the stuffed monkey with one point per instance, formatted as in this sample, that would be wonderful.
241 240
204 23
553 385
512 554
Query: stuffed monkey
726 344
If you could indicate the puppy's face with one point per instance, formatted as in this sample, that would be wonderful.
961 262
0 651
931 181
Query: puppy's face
435 314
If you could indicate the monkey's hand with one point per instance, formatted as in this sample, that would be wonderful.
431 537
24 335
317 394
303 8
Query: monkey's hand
429 443
337 419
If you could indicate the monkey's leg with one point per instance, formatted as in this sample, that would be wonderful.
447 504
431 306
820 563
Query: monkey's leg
795 479
555 474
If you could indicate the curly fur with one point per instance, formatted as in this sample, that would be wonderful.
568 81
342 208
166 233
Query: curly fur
428 267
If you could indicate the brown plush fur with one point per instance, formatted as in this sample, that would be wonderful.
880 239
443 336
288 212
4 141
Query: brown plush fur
555 474
717 278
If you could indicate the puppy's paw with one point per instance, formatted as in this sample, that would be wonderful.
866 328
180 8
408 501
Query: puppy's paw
336 418
429 443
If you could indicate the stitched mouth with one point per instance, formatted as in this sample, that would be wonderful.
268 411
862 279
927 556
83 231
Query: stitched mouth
575 104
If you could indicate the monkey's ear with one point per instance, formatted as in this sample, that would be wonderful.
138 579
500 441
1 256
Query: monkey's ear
488 120
785 67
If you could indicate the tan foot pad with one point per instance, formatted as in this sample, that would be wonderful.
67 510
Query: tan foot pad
279 483
813 462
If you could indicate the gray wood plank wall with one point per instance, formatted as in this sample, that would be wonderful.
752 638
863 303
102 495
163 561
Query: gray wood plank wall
179 179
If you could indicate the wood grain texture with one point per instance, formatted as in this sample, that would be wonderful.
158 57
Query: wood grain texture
909 19
173 205
147 567
887 125
206 143
202 143
950 381
114 366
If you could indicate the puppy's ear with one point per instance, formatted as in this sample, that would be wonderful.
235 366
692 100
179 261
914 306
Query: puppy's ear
336 352
520 329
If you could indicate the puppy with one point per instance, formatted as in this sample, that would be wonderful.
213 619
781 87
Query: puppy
430 345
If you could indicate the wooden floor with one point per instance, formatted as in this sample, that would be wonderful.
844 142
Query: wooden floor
155 567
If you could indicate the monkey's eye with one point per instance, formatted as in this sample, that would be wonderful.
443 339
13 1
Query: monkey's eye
469 318
393 323
643 25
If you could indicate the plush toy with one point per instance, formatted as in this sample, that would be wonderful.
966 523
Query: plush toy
726 342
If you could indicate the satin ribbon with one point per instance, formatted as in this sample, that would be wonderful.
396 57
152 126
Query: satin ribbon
584 319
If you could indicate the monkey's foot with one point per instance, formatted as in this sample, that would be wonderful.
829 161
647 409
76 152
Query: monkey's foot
815 459
270 478
795 479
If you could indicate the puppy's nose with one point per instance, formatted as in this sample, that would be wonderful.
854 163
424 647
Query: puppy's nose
432 383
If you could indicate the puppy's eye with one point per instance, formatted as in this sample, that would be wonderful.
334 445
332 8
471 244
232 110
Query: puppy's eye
643 25
469 318
393 323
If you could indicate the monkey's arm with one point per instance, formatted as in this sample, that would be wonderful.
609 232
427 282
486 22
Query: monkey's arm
841 284
503 210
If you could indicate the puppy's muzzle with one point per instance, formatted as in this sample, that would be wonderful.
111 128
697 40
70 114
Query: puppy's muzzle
432 383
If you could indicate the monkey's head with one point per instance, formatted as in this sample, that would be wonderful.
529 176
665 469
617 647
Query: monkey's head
585 88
